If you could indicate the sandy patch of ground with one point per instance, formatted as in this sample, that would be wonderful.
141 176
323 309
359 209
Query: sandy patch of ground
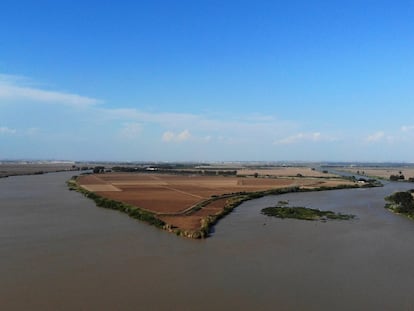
100 187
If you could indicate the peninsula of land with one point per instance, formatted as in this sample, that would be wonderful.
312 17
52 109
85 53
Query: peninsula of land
189 201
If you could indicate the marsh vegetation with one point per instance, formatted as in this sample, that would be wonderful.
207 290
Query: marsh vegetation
281 210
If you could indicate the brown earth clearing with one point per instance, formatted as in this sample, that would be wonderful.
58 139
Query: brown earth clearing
185 202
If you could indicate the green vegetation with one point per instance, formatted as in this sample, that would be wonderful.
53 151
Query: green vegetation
397 177
401 203
280 203
98 169
303 213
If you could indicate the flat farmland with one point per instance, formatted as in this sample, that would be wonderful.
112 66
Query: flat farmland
172 194
176 199
381 172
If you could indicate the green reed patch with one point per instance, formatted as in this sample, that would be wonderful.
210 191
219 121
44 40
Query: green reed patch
303 213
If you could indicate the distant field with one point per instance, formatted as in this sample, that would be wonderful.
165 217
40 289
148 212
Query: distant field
13 169
170 197
382 172
285 171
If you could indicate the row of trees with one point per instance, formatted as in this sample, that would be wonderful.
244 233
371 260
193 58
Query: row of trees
400 177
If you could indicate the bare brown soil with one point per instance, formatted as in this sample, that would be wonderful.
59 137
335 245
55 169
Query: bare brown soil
193 221
171 197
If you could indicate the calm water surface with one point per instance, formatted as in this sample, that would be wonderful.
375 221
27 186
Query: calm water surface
58 251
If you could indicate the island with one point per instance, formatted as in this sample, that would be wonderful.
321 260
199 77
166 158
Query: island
189 201
401 202
282 210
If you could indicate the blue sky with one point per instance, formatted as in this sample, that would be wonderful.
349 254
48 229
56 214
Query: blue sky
207 80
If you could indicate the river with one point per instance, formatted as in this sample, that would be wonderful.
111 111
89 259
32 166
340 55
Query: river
58 251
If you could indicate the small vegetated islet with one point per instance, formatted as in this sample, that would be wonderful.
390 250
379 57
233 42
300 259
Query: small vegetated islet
303 213
401 203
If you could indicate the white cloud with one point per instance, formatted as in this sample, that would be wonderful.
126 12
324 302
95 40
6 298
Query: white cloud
172 120
247 125
376 137
131 130
382 137
184 135
170 136
12 88
7 131
407 128
304 137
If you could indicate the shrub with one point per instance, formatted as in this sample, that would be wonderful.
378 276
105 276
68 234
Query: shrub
402 202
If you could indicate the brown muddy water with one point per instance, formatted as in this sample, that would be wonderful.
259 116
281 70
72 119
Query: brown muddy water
58 251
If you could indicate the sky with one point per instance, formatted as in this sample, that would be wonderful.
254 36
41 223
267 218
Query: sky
206 80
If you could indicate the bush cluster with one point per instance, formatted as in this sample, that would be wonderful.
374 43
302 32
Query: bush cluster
401 202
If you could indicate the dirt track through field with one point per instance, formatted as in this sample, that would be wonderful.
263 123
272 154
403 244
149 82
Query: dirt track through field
184 192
